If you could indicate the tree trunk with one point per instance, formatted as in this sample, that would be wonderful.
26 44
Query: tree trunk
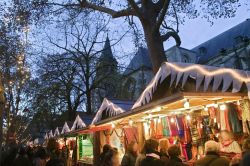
155 46
89 102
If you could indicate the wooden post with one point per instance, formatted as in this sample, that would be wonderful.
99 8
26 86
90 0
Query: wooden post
2 106
96 148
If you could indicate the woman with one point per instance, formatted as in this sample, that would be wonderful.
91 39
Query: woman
129 158
174 153
164 144
111 158
105 149
152 154
228 144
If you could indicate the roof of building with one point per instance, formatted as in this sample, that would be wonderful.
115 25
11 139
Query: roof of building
222 41
86 118
140 59
107 54
124 104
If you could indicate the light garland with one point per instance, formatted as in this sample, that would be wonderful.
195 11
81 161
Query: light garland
167 68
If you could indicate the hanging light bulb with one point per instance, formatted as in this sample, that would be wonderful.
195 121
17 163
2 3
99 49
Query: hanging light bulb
238 102
172 120
130 122
113 125
223 107
186 104
188 117
157 109
205 108
216 105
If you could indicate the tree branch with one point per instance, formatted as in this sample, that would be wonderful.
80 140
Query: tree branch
173 35
162 15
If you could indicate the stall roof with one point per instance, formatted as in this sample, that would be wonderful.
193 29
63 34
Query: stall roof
111 108
179 73
66 127
78 123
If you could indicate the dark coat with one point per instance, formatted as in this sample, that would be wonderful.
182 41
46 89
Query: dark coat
175 161
22 161
212 159
151 161
128 160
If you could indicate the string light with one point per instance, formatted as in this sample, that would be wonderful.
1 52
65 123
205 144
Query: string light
186 104
216 105
157 109
188 117
223 107
113 125
238 102
172 120
205 108
130 122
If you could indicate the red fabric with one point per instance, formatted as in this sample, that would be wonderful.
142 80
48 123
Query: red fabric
187 134
152 128
184 151
131 134
173 127
239 112
159 129
227 120
212 112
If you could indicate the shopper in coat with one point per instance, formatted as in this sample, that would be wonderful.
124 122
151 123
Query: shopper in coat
212 157
152 154
174 153
130 156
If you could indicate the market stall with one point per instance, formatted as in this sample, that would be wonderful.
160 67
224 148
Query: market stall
110 134
189 104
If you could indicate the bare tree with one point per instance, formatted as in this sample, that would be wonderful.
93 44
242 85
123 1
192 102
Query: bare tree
160 19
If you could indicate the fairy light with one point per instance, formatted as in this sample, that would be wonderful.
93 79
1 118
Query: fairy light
130 122
238 102
172 120
216 105
186 104
158 109
205 108
188 117
223 107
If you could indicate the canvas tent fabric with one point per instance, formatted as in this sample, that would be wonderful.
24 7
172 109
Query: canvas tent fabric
180 72
57 132
112 109
78 123
65 128
51 134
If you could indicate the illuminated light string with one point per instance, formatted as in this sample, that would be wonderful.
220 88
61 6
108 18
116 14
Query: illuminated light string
161 74
65 128
107 105
78 123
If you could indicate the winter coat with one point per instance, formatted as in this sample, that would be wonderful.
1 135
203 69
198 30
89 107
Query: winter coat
128 160
139 159
212 159
175 161
22 161
151 161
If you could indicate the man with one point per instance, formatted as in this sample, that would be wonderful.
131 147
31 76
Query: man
212 157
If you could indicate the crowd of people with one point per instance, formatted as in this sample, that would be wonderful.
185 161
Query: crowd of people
161 153
18 155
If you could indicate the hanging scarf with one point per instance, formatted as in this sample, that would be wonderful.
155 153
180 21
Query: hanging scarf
165 126
180 125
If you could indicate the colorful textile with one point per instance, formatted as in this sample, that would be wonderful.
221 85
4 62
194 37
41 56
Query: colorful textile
233 118
223 125
159 128
131 134
152 128
187 132
173 127
245 107
165 126
146 130
180 125
194 134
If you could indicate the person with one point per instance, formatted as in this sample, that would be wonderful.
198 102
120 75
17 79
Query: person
212 157
141 156
55 159
174 153
111 158
228 144
129 158
152 154
164 144
105 149
245 160
22 159
41 156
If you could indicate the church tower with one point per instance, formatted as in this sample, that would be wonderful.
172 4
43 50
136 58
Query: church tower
107 75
